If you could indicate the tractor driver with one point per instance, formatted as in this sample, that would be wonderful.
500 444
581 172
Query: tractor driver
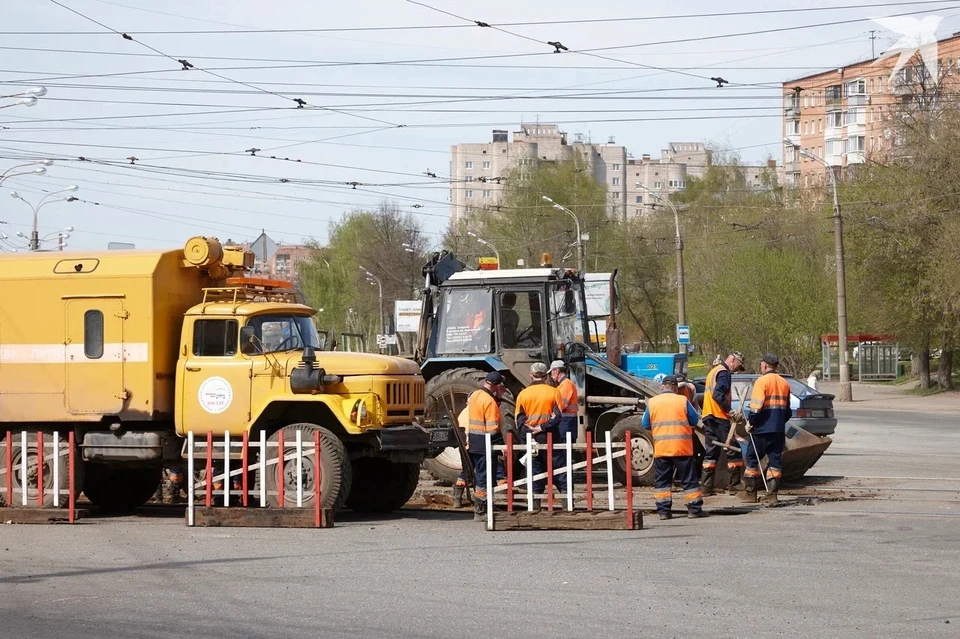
509 320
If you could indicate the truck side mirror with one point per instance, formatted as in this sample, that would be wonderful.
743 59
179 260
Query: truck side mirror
248 340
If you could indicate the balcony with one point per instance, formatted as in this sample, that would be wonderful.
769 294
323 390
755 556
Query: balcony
791 167
856 157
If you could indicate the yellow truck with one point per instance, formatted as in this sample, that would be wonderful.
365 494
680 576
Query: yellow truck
131 350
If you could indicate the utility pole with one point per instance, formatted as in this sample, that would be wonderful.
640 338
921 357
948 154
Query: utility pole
873 38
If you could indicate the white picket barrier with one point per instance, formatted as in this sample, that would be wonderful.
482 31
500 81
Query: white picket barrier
34 473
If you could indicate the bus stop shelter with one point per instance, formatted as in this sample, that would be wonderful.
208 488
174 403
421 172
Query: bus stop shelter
874 357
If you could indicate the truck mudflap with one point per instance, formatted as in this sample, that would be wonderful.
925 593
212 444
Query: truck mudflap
416 437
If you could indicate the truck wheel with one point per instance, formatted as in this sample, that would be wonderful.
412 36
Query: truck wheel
446 396
336 471
382 486
641 453
63 464
119 490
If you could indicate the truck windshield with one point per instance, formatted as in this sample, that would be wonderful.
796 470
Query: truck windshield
284 332
465 321
563 314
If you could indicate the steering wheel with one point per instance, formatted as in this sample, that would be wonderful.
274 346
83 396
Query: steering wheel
525 334
289 338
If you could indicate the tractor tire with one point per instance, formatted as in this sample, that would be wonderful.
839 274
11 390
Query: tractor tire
120 490
63 469
336 471
641 455
382 486
446 396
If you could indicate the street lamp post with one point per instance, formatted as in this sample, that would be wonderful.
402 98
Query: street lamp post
28 98
581 260
373 278
681 290
486 243
35 235
38 170
845 393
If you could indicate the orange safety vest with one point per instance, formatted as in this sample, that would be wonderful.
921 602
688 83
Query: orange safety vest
538 402
671 429
688 390
483 414
568 397
710 405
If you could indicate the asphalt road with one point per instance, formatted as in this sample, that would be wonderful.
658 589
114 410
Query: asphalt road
880 567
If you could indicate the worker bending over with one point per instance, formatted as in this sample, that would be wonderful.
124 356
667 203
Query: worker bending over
538 413
687 389
716 423
766 425
483 410
671 419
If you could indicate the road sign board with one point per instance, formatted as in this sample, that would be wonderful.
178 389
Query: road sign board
683 334
386 340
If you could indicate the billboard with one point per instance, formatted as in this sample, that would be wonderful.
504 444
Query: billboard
407 315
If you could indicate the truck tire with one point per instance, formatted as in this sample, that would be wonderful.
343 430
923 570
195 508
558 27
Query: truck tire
641 444
336 471
382 486
63 469
119 490
446 396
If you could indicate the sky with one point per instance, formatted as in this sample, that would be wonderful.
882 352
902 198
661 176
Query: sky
387 85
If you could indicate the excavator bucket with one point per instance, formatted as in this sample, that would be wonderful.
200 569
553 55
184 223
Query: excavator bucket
801 451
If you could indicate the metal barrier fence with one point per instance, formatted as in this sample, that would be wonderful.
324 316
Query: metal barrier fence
265 461
608 452
33 472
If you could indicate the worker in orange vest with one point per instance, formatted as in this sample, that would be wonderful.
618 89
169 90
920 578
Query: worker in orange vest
671 419
538 413
716 424
766 424
687 389
569 422
483 415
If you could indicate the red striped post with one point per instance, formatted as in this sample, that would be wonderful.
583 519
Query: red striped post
70 468
39 469
244 462
209 468
589 470
629 482
316 477
281 499
509 463
550 471
9 448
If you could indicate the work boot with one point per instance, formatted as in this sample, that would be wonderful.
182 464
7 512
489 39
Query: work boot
770 497
706 481
696 514
666 515
749 493
458 496
736 484
479 509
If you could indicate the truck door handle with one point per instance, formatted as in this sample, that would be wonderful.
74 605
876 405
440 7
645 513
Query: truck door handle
192 368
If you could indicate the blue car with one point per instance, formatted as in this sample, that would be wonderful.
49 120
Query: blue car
812 410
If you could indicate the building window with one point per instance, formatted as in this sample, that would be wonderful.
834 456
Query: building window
469 194
486 164
855 116
857 87
639 199
834 147
616 195
819 125
215 338
487 193
658 185
93 334
835 119
469 178
855 144
469 164
616 181
616 167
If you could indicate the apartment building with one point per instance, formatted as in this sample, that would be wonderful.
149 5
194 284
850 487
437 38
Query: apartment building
477 170
847 115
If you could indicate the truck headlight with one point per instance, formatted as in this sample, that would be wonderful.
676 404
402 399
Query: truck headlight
359 412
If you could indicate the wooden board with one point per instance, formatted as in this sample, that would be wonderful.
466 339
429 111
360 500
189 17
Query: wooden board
21 515
262 517
565 520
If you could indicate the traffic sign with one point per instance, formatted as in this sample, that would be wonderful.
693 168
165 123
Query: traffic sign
386 340
683 334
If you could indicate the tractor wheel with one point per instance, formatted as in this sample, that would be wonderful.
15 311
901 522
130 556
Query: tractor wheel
120 490
446 396
382 486
641 453
336 471
17 455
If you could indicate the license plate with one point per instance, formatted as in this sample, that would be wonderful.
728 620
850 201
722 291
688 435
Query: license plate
438 436
818 413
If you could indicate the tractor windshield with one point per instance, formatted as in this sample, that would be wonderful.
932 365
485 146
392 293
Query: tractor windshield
465 321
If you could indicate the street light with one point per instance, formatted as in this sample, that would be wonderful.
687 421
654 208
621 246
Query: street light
35 236
373 277
28 98
581 260
486 243
681 294
846 388
38 170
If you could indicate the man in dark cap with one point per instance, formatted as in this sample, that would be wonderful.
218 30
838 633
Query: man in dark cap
483 416
766 425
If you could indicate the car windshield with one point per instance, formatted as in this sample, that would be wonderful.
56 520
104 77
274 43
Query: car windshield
284 332
800 389
465 321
